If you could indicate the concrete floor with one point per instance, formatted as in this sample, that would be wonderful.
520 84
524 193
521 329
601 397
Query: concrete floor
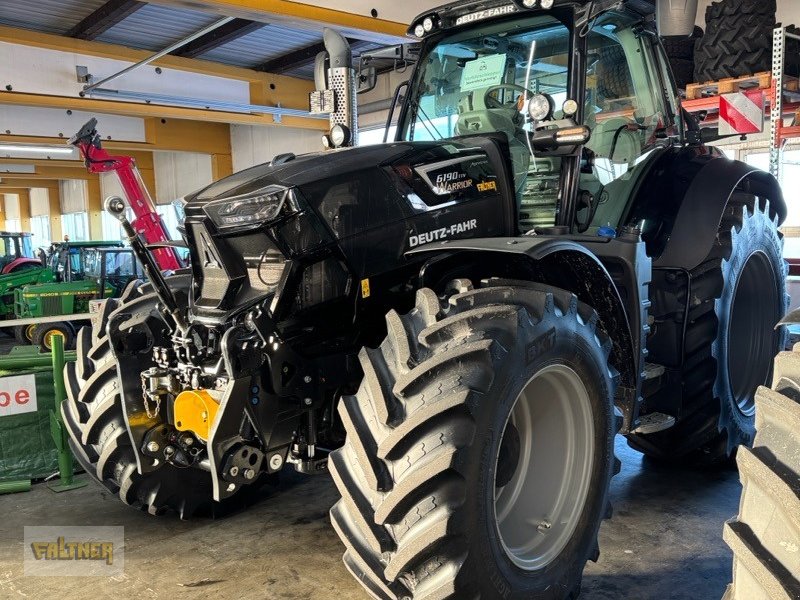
664 542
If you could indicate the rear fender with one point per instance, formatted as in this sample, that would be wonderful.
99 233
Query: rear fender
558 262
700 213
18 262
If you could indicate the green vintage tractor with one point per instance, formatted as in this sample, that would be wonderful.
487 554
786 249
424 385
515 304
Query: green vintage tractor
55 266
84 272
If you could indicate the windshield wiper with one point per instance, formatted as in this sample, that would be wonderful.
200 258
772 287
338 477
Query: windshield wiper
419 110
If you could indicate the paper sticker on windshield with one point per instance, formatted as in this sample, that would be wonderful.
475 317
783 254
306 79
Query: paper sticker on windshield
483 72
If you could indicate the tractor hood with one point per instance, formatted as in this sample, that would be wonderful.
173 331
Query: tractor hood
24 277
366 206
300 171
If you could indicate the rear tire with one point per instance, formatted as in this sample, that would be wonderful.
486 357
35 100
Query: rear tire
738 295
765 536
24 334
95 420
429 457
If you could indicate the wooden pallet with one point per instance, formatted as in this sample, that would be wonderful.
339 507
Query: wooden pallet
729 85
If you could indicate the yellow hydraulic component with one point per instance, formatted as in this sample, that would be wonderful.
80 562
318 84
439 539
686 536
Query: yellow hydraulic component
195 411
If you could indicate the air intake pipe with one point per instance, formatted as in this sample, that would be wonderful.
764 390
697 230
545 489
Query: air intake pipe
335 93
675 17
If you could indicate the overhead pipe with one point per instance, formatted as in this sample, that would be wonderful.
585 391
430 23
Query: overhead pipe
157 55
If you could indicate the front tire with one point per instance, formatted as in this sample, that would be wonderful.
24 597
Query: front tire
42 336
430 454
95 419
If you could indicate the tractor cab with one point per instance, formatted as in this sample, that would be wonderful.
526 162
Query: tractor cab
67 260
538 73
16 252
112 269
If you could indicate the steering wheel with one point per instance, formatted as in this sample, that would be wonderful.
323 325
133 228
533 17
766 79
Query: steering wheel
491 102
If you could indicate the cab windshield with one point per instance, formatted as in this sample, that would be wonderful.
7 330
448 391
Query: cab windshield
478 81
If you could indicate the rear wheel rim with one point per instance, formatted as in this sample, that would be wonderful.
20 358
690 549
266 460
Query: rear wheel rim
751 343
29 332
538 510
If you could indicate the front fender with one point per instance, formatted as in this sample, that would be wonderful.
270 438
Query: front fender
568 264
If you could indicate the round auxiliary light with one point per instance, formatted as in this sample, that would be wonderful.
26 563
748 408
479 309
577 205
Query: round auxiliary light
419 30
340 135
547 4
528 3
427 24
540 107
326 142
570 107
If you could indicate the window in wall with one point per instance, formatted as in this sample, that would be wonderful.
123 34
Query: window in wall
13 225
76 226
40 228
370 137
790 180
170 218
112 230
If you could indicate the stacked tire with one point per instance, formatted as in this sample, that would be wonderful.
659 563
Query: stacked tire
765 536
736 41
680 52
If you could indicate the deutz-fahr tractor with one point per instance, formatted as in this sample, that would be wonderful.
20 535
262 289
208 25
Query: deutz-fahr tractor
85 271
457 323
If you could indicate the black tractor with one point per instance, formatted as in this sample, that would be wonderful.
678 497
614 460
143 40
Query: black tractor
457 323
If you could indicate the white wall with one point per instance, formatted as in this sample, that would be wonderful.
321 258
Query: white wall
253 145
40 203
11 206
180 173
73 196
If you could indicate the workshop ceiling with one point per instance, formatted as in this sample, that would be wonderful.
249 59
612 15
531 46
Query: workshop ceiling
273 47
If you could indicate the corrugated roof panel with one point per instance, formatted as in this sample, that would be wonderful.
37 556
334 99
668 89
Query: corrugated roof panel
262 45
51 16
155 27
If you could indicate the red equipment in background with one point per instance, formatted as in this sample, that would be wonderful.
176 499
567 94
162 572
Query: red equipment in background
147 221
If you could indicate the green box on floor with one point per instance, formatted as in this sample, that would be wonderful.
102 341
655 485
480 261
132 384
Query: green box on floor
27 395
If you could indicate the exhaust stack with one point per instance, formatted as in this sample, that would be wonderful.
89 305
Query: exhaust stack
335 93
675 17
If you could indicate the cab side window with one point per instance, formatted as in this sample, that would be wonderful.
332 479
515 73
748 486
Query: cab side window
626 110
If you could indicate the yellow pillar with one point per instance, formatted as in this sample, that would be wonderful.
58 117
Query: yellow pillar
2 212
25 209
94 206
54 201
221 166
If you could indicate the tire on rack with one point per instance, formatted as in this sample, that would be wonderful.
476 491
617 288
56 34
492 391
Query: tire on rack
434 445
732 8
682 71
681 46
43 334
766 534
733 46
738 295
95 421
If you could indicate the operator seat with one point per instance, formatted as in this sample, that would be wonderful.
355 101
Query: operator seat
474 117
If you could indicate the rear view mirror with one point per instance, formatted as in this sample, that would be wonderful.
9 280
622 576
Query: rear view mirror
367 79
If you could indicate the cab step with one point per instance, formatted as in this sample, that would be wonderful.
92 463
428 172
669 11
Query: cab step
653 422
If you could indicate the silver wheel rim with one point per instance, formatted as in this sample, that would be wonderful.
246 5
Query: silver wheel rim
537 510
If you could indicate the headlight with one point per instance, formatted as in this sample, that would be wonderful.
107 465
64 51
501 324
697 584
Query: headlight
248 209
540 107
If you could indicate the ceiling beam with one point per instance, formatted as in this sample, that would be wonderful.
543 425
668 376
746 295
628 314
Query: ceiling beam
370 22
104 18
302 57
219 37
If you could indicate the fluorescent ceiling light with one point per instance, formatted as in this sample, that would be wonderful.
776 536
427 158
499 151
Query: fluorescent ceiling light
29 149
